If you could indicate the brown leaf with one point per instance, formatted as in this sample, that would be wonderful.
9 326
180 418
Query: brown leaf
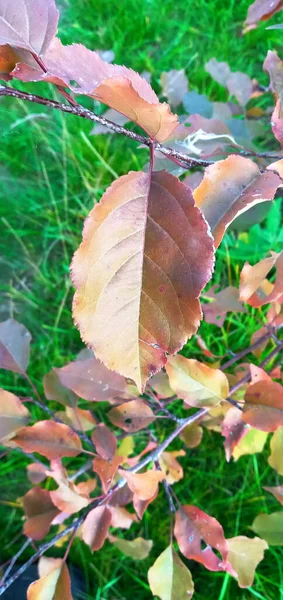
276 491
106 469
229 188
40 512
95 527
263 408
31 27
276 446
54 390
131 416
144 485
36 472
196 383
253 288
54 582
14 346
262 10
104 441
53 440
169 578
91 380
192 435
171 467
137 549
116 86
174 86
233 429
141 280
193 525
244 555
227 300
13 415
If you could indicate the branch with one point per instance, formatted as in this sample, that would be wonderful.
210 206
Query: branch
243 353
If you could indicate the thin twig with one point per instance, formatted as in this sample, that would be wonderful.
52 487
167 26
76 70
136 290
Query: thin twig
243 353
14 559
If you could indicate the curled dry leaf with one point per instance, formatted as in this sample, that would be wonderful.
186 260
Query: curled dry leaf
95 527
193 525
31 27
229 188
36 473
224 301
169 578
233 429
141 280
13 415
262 10
174 86
132 416
137 549
251 443
276 491
263 408
54 390
53 440
192 435
39 511
270 528
244 554
171 467
54 582
14 346
276 446
196 383
107 469
144 485
253 286
104 441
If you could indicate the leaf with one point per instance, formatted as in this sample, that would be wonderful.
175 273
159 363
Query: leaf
121 517
104 441
270 528
252 281
77 418
54 582
91 380
40 512
120 88
32 26
193 525
95 527
144 485
106 469
226 300
134 460
171 467
14 346
219 71
192 435
276 446
277 123
160 384
263 408
244 555
174 86
229 188
36 473
233 429
197 103
238 84
54 390
13 415
141 506
68 497
141 280
273 65
137 549
262 10
196 383
8 60
132 416
276 491
53 440
169 578
252 442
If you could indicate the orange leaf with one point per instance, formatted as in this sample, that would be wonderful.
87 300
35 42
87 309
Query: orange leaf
229 188
263 408
40 512
54 582
254 288
131 416
140 506
95 527
144 485
121 517
105 441
53 440
13 415
106 469
138 286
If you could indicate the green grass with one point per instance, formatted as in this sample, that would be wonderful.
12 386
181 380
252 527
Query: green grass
51 174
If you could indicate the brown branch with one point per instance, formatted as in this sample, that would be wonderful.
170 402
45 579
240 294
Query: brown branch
243 353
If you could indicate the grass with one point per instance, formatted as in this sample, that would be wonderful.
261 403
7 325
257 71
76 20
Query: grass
52 172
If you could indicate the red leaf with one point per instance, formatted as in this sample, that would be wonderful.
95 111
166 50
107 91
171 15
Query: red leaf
30 25
14 346
40 512
105 441
53 440
263 408
131 416
95 527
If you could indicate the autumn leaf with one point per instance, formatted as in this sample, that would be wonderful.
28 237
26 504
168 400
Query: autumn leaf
141 506
169 578
144 485
104 441
276 491
160 384
244 554
192 435
77 418
54 390
8 60
135 459
14 346
95 527
68 497
229 188
226 300
53 440
262 10
141 280
131 416
36 472
276 446
238 84
174 86
121 518
253 286
106 469
39 511
263 408
251 443
195 382
31 27
171 467
13 415
137 549
233 429
54 582
270 527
